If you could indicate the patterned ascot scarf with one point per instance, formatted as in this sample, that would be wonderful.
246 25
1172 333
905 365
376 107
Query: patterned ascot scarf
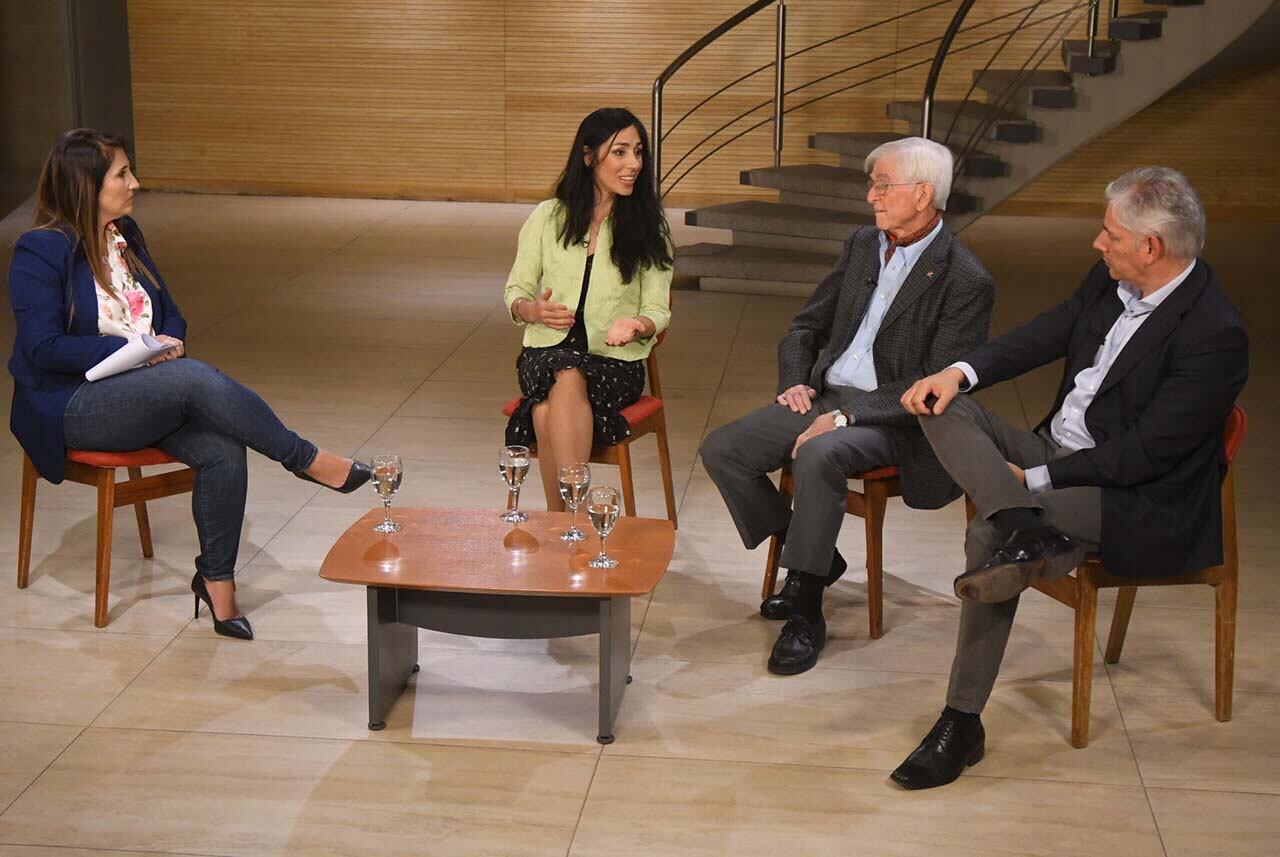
895 243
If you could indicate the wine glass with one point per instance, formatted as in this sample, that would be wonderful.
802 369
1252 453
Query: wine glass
602 509
513 465
388 471
574 479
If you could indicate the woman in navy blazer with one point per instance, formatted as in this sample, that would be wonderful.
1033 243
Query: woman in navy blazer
82 284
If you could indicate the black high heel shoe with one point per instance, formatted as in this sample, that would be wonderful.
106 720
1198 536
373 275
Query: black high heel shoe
238 627
358 475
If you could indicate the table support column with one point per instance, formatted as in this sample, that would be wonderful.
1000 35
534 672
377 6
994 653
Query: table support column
393 654
615 661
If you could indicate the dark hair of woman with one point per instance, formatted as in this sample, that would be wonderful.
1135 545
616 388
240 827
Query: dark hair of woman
67 197
640 231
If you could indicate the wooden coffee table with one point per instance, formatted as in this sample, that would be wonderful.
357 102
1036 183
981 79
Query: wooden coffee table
467 572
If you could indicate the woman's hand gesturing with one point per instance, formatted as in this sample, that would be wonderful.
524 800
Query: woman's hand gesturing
623 330
543 311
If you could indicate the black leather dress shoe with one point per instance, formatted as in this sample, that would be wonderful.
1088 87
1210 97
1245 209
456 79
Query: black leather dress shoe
953 744
780 606
1025 557
798 645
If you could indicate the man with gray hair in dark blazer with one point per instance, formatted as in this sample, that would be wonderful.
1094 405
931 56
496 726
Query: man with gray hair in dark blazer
905 299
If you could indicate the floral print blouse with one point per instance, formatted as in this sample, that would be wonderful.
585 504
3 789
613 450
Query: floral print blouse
128 313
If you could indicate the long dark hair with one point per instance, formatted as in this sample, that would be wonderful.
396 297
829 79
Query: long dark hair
67 197
640 230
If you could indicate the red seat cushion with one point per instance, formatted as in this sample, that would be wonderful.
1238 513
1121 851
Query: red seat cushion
878 473
646 407
137 458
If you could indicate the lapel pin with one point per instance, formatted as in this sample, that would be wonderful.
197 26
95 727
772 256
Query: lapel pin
929 273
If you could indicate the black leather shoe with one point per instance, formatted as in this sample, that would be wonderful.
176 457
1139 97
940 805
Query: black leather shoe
358 475
798 645
1025 557
780 606
237 627
953 744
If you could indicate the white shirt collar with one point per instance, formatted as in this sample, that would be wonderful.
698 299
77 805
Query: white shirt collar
1132 295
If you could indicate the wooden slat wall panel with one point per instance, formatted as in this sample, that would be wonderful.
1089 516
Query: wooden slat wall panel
479 99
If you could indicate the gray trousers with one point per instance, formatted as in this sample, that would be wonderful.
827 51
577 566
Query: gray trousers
974 445
740 455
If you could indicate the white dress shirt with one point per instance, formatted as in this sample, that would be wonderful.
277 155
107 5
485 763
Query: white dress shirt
1068 424
856 366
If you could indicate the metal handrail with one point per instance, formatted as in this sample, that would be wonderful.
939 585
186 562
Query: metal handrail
944 50
679 63
865 81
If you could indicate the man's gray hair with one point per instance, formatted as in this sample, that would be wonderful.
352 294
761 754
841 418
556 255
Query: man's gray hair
1160 201
919 160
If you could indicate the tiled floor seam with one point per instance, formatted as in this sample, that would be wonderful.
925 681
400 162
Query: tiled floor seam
586 796
36 778
64 848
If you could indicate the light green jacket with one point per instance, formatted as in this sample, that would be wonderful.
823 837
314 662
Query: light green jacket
543 262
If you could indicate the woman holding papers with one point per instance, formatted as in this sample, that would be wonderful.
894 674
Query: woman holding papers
591 286
83 288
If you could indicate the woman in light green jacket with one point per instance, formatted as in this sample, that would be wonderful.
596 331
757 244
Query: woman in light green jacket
601 245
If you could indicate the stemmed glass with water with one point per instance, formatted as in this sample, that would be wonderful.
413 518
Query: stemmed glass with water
513 466
574 479
388 471
602 509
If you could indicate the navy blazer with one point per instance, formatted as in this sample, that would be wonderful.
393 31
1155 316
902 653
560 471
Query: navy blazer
1157 418
54 346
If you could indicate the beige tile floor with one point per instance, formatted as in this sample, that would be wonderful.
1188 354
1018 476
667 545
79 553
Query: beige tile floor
375 325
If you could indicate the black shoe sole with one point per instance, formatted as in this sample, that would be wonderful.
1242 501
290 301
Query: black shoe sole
998 582
792 669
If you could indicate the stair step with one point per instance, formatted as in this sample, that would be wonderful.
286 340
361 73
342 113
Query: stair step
1076 59
760 216
844 183
1137 28
731 261
858 144
1005 125
1174 2
772 288
1045 88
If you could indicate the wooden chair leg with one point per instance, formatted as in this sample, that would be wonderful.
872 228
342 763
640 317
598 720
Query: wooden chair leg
1224 661
628 484
26 520
1119 623
668 486
1082 669
771 562
144 522
106 515
876 500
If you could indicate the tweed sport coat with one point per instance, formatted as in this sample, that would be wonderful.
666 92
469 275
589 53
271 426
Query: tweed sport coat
941 313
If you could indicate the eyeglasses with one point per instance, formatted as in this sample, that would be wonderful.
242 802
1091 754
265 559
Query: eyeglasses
881 188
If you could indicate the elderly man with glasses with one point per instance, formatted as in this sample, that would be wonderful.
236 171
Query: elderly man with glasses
904 299
1128 460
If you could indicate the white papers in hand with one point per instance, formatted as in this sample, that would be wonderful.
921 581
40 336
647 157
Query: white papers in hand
138 350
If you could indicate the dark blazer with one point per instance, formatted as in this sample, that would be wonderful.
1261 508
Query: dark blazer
1157 419
942 311
54 346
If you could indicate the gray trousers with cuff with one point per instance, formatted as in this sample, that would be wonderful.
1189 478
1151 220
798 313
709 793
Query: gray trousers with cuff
975 446
740 456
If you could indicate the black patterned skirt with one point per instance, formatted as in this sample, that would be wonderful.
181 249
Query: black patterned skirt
611 386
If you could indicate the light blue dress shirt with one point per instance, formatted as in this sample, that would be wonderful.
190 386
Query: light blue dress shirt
1068 426
856 366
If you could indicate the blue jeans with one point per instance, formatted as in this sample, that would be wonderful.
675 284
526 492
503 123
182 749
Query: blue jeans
205 420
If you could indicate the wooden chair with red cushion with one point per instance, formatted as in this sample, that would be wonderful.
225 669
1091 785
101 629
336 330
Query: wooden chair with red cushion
99 470
1079 591
869 504
644 417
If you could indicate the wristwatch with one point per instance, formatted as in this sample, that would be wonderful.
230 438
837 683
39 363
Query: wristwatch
841 418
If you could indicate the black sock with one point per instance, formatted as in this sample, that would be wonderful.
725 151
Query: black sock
809 599
960 716
1010 520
